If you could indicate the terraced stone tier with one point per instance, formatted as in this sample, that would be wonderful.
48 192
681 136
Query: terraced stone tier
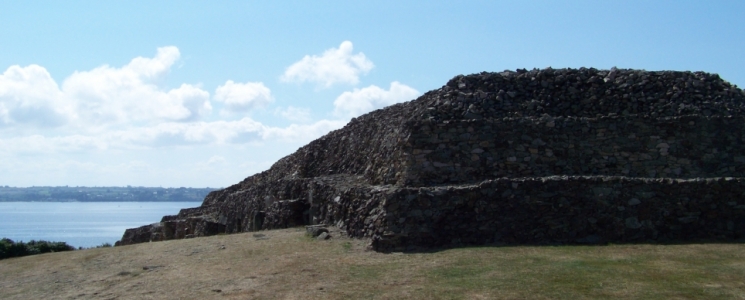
535 210
525 157
563 210
466 151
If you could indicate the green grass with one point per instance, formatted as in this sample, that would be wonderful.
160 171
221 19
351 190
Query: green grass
347 246
288 264
358 272
567 272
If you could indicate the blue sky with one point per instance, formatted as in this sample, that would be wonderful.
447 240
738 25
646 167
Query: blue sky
196 93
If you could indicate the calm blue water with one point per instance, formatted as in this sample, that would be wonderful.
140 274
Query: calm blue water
80 224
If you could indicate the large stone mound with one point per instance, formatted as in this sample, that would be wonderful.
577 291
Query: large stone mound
527 157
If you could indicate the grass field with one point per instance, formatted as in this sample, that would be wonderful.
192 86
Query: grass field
286 264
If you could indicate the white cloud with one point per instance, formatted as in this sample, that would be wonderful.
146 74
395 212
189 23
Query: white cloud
96 99
107 95
216 159
294 114
335 65
195 133
244 131
115 109
29 96
302 133
241 97
154 67
38 144
116 120
361 101
241 131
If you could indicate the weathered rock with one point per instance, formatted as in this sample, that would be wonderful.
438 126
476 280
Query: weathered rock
316 230
323 236
526 157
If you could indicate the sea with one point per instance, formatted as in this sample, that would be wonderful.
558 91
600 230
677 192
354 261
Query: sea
80 224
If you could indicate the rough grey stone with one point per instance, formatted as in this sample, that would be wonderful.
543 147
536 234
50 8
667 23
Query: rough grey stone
504 155
633 223
316 230
323 236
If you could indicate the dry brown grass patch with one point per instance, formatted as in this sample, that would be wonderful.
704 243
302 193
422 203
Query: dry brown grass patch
286 264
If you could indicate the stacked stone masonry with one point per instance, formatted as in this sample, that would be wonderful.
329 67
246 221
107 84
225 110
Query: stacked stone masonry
675 147
517 157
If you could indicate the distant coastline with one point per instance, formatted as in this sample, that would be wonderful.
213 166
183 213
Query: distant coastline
102 194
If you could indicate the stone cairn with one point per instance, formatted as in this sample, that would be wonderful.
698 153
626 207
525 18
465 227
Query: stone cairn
550 156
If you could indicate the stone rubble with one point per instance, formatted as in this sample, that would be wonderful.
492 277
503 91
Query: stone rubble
550 156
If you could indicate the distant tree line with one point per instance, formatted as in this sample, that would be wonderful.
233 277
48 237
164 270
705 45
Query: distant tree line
103 194
9 248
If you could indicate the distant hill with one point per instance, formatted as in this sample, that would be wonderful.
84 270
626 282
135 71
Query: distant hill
102 194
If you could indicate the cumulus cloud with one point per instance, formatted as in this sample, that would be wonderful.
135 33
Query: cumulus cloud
127 110
124 108
154 67
294 114
361 101
29 96
335 65
107 95
101 97
242 97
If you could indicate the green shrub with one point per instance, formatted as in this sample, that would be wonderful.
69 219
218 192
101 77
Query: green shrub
9 248
104 245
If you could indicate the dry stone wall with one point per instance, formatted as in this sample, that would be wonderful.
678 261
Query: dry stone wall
675 147
370 145
584 93
342 200
516 157
563 210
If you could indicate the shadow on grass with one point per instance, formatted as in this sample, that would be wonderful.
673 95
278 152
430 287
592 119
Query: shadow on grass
597 243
